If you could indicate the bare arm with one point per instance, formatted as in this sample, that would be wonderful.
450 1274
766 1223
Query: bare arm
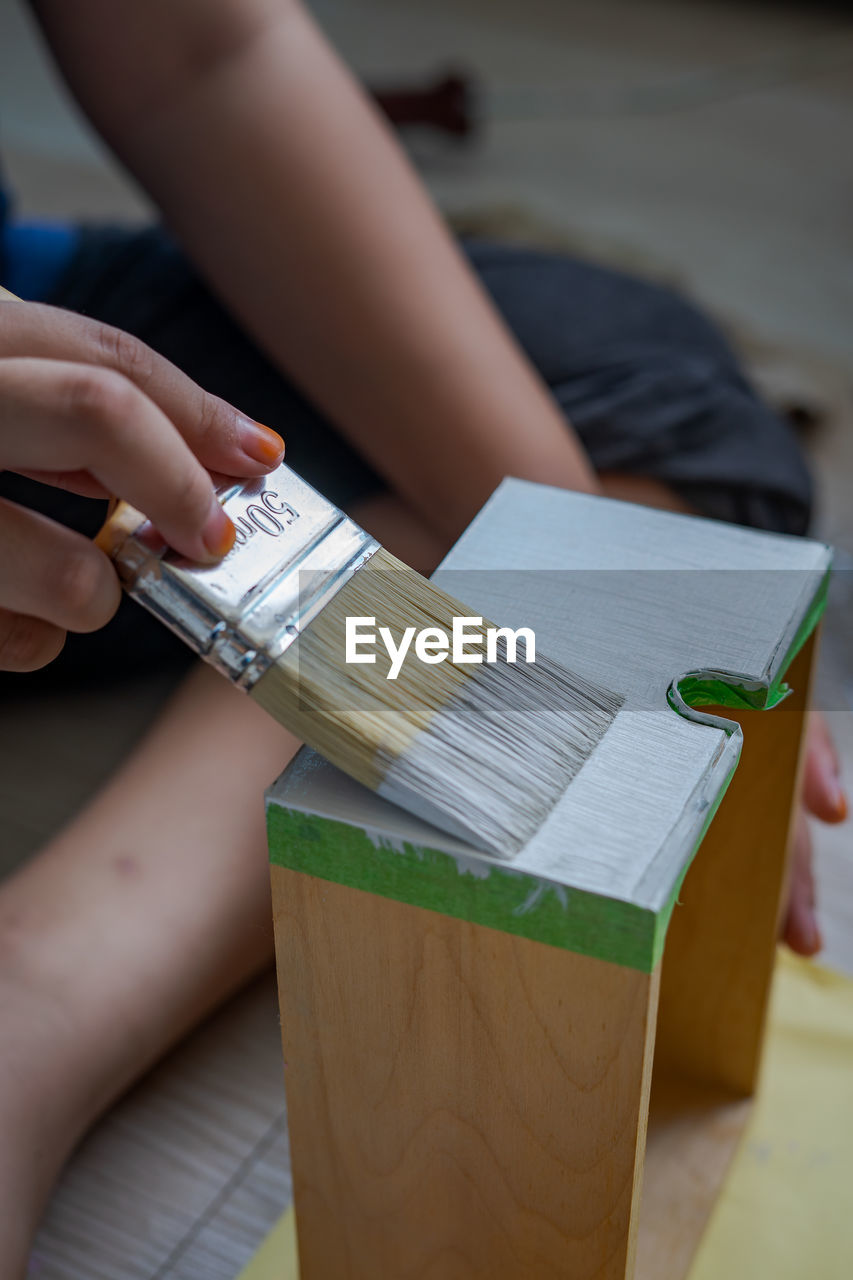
299 208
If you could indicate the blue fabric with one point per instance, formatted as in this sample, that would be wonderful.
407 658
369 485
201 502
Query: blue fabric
35 255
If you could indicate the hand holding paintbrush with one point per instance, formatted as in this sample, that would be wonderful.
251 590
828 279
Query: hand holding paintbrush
88 408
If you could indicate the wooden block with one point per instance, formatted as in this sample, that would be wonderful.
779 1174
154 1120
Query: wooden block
693 1133
715 984
470 1043
716 979
461 1102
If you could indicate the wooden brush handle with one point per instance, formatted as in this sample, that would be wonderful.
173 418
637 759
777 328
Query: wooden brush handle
122 521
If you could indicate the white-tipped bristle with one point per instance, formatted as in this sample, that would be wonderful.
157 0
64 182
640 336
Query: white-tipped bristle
483 751
493 763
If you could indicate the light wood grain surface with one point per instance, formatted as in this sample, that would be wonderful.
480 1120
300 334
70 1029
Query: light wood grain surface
463 1102
693 1134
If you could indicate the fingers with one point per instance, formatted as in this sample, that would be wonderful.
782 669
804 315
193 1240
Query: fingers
51 573
95 420
91 409
823 794
824 797
800 929
221 438
79 482
27 643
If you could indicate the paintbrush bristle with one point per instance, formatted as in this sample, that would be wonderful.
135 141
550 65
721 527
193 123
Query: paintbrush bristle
483 751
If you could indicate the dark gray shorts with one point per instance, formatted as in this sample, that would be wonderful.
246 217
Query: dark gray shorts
649 384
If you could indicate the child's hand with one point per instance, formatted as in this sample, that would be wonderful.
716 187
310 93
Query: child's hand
823 798
89 408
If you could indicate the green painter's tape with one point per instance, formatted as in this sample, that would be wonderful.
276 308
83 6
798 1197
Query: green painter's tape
709 691
504 899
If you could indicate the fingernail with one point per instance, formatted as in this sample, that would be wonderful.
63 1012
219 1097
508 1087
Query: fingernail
260 443
812 938
219 533
838 799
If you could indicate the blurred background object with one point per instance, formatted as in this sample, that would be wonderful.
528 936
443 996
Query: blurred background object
446 104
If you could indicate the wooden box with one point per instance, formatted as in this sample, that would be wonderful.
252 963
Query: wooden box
541 1068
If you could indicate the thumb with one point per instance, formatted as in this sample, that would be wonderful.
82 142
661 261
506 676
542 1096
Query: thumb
823 793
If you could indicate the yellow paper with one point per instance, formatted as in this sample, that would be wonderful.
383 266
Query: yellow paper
276 1259
786 1210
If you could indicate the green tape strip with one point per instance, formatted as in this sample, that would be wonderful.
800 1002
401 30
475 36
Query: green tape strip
504 899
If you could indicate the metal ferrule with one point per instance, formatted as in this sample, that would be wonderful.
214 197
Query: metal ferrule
294 551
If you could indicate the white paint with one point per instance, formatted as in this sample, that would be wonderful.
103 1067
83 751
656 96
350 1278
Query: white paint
494 760
384 840
536 896
472 866
630 598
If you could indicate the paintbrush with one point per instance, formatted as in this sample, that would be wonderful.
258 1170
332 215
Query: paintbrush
311 616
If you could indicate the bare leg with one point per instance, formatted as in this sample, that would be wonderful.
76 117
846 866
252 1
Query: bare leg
138 919
642 489
402 531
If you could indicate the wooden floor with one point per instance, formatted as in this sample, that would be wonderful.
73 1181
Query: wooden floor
185 1177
